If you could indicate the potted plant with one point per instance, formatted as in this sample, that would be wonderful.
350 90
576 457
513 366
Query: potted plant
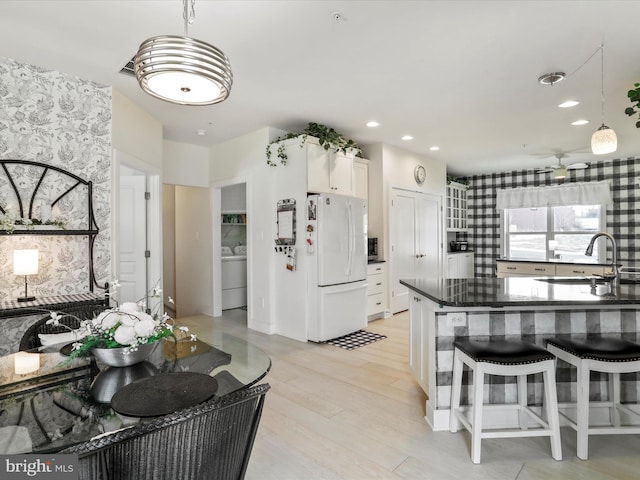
328 138
634 96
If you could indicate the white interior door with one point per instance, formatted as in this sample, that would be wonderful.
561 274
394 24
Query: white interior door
132 240
428 237
415 245
402 220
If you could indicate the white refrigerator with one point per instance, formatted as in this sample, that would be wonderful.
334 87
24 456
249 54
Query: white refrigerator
336 247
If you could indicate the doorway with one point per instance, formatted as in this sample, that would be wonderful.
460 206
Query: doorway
136 256
416 241
230 197
233 250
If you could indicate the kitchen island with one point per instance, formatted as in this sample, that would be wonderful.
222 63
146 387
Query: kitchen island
517 308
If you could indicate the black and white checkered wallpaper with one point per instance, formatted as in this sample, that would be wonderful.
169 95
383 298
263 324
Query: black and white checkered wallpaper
623 217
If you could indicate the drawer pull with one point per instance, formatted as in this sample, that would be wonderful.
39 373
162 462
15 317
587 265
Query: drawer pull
378 284
578 271
378 303
540 269
511 268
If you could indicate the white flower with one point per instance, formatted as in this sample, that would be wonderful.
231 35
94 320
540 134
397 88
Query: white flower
129 319
129 307
125 335
54 320
184 329
106 319
194 337
115 284
171 300
144 328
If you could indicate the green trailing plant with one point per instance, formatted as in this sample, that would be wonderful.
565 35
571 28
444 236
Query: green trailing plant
634 97
327 137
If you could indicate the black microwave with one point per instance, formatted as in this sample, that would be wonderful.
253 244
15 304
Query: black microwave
372 248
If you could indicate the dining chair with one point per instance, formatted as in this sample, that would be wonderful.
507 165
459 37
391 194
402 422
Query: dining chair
71 317
211 440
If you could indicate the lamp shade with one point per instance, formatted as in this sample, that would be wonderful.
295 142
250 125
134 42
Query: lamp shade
183 70
25 262
560 172
604 140
25 362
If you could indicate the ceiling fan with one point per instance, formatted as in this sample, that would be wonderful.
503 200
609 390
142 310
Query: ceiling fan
560 170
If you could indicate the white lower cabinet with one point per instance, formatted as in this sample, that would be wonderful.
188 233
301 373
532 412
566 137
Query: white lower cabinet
460 265
376 290
418 339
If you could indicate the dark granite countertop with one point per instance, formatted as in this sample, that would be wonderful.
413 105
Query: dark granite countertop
523 291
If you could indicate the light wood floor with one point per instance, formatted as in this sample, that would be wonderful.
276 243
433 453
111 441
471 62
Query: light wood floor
336 414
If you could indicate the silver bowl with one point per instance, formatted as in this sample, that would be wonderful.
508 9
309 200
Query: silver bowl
120 357
112 379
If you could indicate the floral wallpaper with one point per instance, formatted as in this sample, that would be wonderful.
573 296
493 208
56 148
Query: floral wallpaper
65 121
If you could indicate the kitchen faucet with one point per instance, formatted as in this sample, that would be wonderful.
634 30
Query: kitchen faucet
614 262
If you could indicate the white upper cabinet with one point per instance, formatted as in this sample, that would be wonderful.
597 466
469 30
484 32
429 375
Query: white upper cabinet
361 178
329 172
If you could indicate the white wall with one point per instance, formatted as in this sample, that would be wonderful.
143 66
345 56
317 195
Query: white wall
185 164
135 132
234 197
193 237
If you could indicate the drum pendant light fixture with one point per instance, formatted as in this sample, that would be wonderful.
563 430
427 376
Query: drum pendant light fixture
603 140
183 70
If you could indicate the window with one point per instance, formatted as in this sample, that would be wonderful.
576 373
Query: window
546 233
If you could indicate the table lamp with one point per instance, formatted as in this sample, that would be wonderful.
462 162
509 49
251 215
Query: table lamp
25 362
25 262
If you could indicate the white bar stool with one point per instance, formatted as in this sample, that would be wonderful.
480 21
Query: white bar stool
608 355
506 358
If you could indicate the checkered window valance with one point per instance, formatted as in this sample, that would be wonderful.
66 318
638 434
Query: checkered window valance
579 193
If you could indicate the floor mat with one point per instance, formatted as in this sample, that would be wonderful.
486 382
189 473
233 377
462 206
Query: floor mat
355 340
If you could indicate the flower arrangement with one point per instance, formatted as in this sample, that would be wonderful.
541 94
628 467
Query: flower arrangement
9 223
125 326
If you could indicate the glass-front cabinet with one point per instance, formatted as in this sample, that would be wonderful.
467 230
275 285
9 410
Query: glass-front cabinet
456 207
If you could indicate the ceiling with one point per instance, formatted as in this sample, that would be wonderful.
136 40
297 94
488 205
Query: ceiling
461 75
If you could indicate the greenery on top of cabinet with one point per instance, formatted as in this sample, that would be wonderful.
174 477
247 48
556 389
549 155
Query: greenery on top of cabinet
634 96
327 137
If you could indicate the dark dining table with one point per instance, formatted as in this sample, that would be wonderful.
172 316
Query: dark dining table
63 402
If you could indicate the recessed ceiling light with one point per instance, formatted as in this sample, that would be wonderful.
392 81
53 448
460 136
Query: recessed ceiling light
568 104
434 148
407 137
372 124
580 122
202 133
